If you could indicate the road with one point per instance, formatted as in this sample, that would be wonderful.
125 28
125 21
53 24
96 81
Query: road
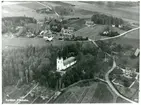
122 34
111 85
114 65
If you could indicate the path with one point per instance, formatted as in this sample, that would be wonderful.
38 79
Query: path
111 85
122 34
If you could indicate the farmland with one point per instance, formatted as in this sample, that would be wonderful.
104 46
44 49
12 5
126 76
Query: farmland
93 93
94 32
8 43
131 15
133 35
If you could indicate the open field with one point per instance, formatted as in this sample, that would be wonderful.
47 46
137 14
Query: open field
15 93
131 15
120 100
8 43
94 32
32 5
24 9
133 35
95 93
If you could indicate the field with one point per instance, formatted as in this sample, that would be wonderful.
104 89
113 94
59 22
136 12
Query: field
95 93
133 35
131 13
32 5
14 92
94 32
8 43
24 9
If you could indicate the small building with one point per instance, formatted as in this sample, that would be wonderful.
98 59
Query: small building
106 32
120 26
48 38
89 23
137 52
128 72
113 25
67 33
64 64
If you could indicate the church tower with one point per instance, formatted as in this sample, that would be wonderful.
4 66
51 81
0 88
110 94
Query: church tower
59 63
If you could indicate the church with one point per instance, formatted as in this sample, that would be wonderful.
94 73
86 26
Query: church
64 64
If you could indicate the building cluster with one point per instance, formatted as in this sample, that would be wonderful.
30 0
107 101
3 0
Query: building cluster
67 33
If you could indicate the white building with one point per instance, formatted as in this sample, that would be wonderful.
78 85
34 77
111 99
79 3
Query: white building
89 23
113 25
64 64
137 52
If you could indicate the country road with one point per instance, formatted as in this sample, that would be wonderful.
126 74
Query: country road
120 35
114 66
111 85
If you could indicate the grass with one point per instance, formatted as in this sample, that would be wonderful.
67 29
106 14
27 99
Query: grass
17 93
102 94
133 35
121 100
32 5
8 43
94 32
128 14
94 93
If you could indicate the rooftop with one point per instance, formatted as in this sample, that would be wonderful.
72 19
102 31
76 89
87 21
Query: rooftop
69 60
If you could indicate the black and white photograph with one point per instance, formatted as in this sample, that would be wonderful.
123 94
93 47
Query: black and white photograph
64 52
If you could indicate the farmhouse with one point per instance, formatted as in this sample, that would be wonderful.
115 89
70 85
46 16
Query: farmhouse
113 25
64 64
67 33
47 35
89 23
128 72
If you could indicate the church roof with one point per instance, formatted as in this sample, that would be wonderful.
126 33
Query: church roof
69 60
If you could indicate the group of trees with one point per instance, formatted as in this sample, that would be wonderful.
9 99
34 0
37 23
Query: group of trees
27 64
9 24
39 64
105 19
55 25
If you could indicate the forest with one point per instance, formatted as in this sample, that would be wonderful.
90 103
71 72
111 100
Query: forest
39 64
106 20
9 24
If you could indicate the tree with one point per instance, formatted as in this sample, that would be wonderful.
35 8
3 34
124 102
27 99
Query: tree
55 25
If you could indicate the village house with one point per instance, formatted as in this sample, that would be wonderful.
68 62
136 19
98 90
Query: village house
67 33
47 35
64 64
89 23
113 25
128 72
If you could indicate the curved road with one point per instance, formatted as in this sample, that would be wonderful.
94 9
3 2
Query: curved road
122 34
111 85
114 65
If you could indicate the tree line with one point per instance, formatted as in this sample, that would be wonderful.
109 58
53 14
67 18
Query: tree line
106 20
9 24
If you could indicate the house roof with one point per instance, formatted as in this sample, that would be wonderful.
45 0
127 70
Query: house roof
137 52
69 60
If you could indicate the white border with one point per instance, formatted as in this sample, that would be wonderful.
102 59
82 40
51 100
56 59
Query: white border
53 0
